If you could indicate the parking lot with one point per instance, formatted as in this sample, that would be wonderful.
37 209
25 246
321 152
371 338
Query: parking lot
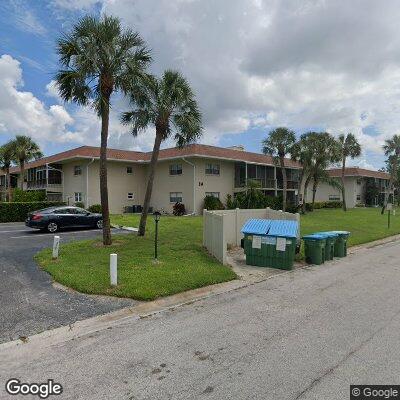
29 301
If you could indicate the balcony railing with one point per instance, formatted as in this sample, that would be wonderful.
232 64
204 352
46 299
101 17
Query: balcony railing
290 184
263 183
43 184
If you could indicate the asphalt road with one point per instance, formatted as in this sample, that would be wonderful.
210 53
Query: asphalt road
308 334
28 301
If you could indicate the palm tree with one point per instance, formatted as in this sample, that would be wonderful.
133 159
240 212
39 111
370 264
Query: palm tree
279 143
392 151
24 150
169 104
349 147
100 58
315 151
6 159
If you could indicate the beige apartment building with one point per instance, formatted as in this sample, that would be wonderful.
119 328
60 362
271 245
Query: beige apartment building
186 175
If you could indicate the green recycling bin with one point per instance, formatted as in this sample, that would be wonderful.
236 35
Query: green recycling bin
341 243
330 242
314 248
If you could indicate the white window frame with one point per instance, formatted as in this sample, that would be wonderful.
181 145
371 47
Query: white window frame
130 196
334 197
175 195
174 169
213 194
131 168
77 168
78 197
213 169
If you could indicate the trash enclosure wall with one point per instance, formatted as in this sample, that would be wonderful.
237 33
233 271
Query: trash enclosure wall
218 233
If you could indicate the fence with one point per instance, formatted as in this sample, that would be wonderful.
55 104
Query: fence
222 227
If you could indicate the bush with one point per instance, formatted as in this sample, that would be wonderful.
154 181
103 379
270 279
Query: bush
17 212
22 196
179 209
324 204
213 203
95 208
80 204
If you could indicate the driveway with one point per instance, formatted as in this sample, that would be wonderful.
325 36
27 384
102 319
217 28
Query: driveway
305 335
29 303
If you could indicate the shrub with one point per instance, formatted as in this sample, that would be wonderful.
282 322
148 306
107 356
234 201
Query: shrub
17 212
22 196
179 209
213 203
80 204
95 208
323 204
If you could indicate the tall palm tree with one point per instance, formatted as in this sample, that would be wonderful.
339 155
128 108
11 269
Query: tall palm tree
6 159
392 151
24 150
349 147
169 104
315 151
100 58
279 143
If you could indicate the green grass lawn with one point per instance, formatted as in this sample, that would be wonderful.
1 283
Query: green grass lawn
365 224
184 265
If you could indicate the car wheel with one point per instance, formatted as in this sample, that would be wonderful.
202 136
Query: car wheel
52 227
99 224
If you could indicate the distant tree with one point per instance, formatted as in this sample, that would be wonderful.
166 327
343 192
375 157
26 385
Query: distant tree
24 150
6 159
349 147
169 104
99 58
280 143
392 151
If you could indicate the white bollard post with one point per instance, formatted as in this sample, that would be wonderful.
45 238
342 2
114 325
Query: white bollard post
113 269
56 246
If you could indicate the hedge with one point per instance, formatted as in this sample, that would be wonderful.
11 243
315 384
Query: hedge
324 204
17 212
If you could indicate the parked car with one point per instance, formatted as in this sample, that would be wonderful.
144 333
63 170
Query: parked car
54 218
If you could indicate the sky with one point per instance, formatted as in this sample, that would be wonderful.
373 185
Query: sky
328 65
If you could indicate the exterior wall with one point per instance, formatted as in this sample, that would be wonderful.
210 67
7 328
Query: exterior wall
120 183
72 183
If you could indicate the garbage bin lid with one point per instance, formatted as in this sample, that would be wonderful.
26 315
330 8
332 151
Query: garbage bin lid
328 234
314 236
284 228
256 226
341 232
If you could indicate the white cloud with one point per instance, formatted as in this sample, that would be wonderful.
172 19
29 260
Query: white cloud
75 4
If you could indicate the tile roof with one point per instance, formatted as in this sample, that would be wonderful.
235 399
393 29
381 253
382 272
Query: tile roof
193 150
360 172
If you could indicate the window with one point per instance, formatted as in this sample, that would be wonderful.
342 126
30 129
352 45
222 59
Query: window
77 170
175 197
358 197
79 211
334 197
359 181
175 169
78 197
129 170
130 196
212 169
213 194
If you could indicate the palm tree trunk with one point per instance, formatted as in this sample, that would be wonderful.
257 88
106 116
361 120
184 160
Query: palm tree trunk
22 173
8 178
343 186
314 192
105 117
306 183
284 181
149 189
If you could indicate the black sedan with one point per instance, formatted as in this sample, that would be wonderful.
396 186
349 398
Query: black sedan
54 218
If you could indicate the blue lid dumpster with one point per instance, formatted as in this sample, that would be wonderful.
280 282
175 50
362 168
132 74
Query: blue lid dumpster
330 241
270 243
314 248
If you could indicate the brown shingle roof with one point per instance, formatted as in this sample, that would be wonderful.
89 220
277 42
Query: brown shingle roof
360 172
193 150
